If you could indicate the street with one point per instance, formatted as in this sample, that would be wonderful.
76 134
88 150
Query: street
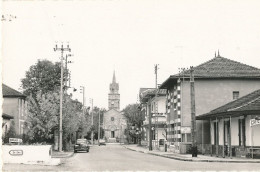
116 157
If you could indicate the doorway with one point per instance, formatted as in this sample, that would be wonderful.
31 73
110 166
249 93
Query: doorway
112 134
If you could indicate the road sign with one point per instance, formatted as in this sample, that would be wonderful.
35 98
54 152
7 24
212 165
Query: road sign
15 140
254 122
16 152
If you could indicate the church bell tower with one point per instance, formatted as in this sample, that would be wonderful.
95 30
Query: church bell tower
114 96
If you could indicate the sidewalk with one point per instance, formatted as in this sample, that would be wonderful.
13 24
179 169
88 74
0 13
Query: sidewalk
187 157
57 154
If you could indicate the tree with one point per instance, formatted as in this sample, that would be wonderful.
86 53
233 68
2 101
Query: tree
134 119
42 116
44 76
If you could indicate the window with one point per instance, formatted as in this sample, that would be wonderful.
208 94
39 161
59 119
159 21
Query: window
112 118
235 95
241 132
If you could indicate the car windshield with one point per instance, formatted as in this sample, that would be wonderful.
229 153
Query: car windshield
82 141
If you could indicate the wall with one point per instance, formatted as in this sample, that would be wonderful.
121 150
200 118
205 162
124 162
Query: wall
118 125
252 133
16 107
30 154
6 127
211 94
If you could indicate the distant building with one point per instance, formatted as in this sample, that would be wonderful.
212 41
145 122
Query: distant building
14 108
157 101
114 122
234 127
217 82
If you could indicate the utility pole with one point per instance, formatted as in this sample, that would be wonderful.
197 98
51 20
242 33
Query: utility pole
82 90
67 71
98 125
193 120
92 122
62 49
150 125
155 72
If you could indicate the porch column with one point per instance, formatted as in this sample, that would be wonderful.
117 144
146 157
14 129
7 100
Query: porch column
210 140
202 137
230 146
223 150
217 137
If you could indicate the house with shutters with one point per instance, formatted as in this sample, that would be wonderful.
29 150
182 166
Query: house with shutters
14 109
153 103
217 82
234 128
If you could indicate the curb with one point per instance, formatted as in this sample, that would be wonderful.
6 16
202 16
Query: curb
188 159
63 156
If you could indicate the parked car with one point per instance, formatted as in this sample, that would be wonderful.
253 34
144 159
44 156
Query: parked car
102 142
81 145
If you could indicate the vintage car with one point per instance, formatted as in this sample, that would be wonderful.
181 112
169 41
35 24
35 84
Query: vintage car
101 142
81 145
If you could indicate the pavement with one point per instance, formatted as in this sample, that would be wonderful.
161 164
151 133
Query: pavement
187 157
57 154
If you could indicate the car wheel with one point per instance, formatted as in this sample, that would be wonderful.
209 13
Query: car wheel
87 150
75 151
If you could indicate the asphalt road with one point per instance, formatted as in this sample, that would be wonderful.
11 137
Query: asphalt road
117 158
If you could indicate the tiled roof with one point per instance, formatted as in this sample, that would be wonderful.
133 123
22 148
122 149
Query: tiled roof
9 92
146 92
219 67
249 102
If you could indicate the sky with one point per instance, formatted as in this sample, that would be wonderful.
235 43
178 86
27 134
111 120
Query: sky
128 36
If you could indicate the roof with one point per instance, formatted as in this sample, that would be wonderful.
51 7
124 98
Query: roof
249 103
5 116
218 67
145 93
10 92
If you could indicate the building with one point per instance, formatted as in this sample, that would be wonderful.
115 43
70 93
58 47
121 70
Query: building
113 120
234 127
217 82
154 101
14 106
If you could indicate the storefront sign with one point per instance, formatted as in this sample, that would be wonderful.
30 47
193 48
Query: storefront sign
185 130
254 122
16 152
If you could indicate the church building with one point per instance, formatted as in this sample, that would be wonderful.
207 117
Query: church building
114 122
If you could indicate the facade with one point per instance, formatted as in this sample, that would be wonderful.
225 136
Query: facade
217 82
234 128
14 105
114 123
154 101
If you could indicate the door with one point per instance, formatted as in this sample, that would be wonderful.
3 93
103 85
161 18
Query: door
112 134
